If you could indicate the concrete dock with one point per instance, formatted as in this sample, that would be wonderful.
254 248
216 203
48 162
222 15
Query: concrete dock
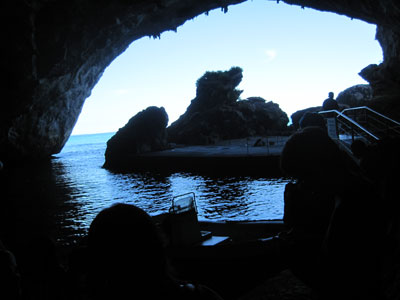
255 155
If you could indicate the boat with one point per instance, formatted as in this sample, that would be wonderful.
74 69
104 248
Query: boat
231 257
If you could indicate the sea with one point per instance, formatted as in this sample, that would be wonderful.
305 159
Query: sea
87 188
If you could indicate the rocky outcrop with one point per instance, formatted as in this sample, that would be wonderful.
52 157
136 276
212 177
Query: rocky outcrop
385 78
145 132
217 114
358 95
296 117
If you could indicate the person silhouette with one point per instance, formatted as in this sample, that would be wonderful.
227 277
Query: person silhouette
330 103
327 213
128 260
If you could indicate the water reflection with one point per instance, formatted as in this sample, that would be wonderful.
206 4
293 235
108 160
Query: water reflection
218 197
62 197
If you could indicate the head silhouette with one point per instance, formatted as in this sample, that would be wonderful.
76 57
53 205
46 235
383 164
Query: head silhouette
311 153
312 119
331 95
126 249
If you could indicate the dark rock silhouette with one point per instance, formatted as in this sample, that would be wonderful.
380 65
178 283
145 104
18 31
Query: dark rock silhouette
357 95
296 117
145 132
217 113
387 105
380 77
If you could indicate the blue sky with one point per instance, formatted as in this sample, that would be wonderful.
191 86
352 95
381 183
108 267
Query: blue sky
289 55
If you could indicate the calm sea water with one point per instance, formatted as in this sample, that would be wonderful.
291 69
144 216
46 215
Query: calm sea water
88 188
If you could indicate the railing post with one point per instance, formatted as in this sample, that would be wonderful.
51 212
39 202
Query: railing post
354 126
337 129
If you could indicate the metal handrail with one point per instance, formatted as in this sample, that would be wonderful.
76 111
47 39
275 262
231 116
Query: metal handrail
353 123
346 131
371 110
374 121
382 124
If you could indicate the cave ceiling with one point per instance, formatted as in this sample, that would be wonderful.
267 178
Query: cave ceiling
57 50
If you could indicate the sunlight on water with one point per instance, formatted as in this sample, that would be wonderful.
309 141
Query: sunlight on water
88 188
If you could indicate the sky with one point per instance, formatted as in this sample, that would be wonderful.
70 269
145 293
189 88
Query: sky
289 55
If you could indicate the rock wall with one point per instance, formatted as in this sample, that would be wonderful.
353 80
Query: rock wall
56 51
385 78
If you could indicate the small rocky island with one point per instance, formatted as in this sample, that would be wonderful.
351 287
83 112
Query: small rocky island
215 115
145 132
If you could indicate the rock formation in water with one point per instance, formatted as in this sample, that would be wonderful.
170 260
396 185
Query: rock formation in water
357 95
217 113
145 132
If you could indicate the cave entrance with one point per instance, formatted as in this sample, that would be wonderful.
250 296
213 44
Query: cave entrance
289 55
